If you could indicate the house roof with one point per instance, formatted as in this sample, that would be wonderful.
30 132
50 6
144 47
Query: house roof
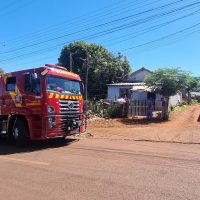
134 86
125 84
143 87
141 69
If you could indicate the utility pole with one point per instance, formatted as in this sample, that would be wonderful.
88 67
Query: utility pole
87 64
70 61
86 77
86 89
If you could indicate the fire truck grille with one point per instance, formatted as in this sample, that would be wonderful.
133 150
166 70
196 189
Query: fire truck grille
70 115
67 121
68 106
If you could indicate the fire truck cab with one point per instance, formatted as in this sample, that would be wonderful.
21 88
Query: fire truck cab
41 103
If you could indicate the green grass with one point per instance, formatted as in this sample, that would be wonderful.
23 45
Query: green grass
181 108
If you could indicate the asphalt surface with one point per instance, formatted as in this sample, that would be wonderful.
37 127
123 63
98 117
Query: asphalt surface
100 169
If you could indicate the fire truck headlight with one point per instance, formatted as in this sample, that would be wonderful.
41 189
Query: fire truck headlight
52 122
50 109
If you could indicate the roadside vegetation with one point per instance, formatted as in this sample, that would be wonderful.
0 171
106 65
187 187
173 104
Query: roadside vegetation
184 106
169 81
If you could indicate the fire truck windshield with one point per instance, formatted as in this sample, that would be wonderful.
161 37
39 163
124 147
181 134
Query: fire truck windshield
62 85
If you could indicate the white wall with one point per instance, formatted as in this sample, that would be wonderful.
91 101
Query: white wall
139 96
159 97
114 91
139 76
175 100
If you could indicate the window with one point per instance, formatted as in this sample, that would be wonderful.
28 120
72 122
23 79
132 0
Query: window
11 83
32 83
124 93
63 85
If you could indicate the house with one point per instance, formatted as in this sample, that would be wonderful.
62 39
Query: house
122 90
195 95
135 89
139 75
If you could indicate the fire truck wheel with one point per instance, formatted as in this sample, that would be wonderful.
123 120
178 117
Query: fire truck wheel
20 132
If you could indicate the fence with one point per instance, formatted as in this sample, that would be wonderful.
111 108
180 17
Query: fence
139 108
131 108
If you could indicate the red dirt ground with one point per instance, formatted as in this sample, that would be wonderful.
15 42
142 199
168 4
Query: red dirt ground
182 127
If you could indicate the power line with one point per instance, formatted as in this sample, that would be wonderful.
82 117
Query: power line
63 36
54 27
149 29
35 52
93 35
166 37
107 23
170 36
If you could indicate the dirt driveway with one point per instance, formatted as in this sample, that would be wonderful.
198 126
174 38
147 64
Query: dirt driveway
182 127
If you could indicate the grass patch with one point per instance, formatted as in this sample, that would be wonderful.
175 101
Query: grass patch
184 106
181 108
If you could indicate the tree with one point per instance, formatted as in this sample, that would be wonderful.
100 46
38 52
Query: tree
191 84
168 81
102 66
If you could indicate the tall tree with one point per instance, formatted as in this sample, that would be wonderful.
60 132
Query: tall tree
168 81
102 66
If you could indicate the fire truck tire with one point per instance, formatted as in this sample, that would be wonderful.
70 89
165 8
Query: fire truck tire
20 132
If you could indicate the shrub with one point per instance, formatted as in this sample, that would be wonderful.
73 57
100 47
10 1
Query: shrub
184 103
194 101
114 111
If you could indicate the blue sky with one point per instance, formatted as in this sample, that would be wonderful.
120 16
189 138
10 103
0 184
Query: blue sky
150 33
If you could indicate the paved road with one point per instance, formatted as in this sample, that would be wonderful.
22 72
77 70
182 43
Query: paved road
100 169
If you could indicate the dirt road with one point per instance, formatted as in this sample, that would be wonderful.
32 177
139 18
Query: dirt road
183 127
100 169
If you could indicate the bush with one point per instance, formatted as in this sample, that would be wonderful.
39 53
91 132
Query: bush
184 103
114 111
194 101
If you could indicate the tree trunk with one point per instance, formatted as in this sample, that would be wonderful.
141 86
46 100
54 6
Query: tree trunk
189 98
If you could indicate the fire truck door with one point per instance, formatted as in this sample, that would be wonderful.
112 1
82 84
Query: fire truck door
8 96
1 95
32 95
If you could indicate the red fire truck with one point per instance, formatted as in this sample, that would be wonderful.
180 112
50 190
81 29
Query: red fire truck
41 103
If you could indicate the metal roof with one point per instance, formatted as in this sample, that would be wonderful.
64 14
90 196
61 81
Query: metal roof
143 87
134 86
125 84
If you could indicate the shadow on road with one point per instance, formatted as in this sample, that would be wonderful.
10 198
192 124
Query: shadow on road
8 148
141 121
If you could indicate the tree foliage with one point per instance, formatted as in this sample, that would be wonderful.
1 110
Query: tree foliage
168 81
103 67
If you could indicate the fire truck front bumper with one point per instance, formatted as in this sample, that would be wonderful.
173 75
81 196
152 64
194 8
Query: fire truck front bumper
62 126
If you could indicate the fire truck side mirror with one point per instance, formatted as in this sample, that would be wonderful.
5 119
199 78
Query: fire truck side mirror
82 88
